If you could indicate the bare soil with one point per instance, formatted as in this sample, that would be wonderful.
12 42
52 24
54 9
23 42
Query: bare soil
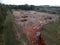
31 23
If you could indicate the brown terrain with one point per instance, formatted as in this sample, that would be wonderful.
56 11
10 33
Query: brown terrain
31 23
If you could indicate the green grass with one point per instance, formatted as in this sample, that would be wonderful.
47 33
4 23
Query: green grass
1 39
10 38
51 33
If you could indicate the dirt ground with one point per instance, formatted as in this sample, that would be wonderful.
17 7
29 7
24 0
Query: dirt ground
31 23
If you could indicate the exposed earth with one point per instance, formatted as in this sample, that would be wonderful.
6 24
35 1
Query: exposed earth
31 23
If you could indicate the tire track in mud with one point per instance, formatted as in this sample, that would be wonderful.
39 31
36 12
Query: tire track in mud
32 35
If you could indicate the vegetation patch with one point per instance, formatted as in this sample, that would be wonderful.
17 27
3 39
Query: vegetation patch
51 33
10 38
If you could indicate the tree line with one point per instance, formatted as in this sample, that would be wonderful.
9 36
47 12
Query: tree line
43 8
